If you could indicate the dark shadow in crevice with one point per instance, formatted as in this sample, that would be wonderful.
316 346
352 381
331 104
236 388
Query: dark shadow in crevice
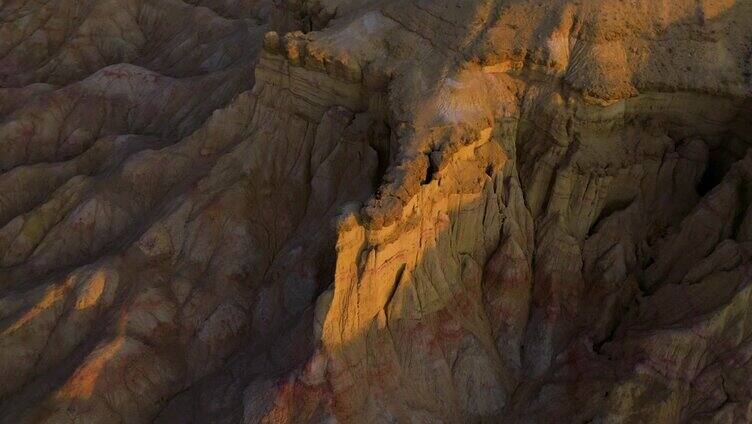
720 160
607 211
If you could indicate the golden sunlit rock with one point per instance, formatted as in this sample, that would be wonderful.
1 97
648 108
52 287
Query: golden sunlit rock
375 211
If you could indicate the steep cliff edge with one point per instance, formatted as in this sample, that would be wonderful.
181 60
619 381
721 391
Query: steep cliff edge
375 211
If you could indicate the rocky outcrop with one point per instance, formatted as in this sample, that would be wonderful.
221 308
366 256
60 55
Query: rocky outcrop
375 211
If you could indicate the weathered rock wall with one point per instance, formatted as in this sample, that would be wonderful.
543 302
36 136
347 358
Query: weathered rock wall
375 211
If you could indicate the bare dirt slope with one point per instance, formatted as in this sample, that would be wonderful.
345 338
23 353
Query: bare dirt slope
457 211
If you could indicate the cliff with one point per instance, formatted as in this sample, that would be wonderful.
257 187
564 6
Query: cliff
375 211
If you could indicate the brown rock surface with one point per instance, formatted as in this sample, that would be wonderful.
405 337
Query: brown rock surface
375 211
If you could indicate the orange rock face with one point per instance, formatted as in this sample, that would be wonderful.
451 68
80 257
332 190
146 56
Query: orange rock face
375 211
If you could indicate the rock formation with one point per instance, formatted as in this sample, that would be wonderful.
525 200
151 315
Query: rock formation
376 211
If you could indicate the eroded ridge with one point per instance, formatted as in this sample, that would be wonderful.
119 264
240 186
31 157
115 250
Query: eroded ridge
375 211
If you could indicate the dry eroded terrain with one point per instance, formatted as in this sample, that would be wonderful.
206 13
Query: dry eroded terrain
375 211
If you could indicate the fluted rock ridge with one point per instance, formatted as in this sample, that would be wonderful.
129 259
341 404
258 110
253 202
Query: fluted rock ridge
375 211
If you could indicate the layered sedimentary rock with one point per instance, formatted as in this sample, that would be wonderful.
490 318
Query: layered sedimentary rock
375 211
